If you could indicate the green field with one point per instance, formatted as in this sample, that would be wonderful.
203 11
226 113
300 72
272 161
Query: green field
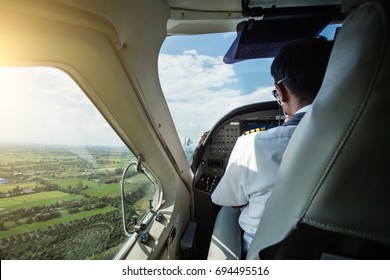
27 185
65 218
55 194
10 204
95 188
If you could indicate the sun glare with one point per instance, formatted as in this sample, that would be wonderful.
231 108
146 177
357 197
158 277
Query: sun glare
44 105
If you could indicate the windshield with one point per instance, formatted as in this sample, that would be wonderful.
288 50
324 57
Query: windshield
200 88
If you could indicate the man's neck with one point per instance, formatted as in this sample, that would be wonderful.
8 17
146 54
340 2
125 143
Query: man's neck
296 105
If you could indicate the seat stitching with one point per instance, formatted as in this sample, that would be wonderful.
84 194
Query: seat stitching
355 232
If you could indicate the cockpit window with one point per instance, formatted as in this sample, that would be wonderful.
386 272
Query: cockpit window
60 170
200 88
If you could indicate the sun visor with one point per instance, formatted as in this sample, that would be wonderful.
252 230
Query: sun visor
263 38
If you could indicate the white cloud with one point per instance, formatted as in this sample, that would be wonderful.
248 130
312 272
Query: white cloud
44 105
191 74
200 89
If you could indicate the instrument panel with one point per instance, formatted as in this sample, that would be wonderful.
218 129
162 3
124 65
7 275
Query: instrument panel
214 156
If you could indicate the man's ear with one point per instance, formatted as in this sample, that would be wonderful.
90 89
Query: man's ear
283 92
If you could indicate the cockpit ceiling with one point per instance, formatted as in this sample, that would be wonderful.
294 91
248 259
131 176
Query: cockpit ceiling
235 5
210 16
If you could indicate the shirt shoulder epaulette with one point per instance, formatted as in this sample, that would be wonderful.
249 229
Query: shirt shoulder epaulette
254 130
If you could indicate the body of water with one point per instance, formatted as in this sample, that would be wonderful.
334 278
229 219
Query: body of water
3 181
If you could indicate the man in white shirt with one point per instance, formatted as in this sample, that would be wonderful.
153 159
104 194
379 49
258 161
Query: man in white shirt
298 71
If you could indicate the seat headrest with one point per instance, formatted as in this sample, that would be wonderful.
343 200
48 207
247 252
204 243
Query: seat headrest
351 5
334 172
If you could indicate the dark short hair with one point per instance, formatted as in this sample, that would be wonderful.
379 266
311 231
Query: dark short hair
302 64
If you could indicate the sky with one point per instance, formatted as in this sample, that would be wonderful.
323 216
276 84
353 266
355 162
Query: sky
45 106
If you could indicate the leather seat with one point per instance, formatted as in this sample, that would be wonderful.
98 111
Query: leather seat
332 196
226 238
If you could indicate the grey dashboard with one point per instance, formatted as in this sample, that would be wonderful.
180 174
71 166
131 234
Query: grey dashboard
213 156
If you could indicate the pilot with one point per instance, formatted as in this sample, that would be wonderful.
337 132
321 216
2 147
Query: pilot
298 70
